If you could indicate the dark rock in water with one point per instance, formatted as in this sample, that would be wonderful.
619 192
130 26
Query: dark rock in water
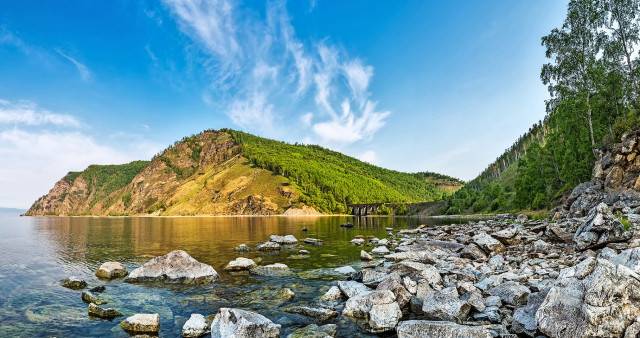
600 228
174 267
242 324
425 328
319 313
98 289
347 225
304 229
88 297
108 313
313 241
242 248
73 283
142 323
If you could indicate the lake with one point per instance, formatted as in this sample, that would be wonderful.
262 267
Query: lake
35 253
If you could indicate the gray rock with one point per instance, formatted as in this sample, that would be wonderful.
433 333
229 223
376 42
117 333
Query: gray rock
512 293
496 261
490 314
111 270
445 305
345 270
240 263
357 241
142 323
313 241
351 288
238 323
474 298
377 307
108 313
509 236
333 293
319 313
394 285
592 299
629 258
174 267
488 244
632 330
524 318
196 326
365 256
283 240
600 228
539 246
474 252
414 256
424 328
380 251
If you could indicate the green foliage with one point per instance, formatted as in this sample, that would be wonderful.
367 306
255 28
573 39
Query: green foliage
126 199
329 180
384 210
625 223
593 85
71 176
105 179
401 209
51 213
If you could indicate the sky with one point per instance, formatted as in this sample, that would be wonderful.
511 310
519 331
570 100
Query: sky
442 86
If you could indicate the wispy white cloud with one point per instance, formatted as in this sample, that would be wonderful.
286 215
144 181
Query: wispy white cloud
85 73
306 119
28 113
261 72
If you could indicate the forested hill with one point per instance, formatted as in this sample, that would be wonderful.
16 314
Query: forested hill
592 78
229 172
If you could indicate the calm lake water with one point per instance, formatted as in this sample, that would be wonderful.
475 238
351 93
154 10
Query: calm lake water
35 253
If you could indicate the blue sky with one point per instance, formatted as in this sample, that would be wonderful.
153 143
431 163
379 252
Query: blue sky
440 86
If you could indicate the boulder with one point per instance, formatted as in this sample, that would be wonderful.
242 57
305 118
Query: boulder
351 288
333 293
314 312
509 236
174 267
445 305
490 314
196 326
142 323
238 323
600 228
276 269
287 293
592 299
283 240
380 251
473 252
524 318
511 293
365 256
377 307
269 246
488 244
357 241
240 264
345 270
111 270
394 285
73 283
108 313
425 328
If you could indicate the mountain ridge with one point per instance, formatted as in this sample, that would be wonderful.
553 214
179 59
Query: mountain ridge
228 172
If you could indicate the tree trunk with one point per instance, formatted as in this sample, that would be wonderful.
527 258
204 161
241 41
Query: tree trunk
593 140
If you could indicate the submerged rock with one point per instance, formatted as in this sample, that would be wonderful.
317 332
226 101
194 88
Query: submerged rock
238 323
592 299
425 328
88 297
240 264
142 323
111 270
319 313
242 248
271 270
287 293
345 270
196 326
269 246
313 241
73 283
108 313
315 331
174 267
600 228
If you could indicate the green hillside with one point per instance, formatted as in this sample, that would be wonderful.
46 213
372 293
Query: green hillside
330 179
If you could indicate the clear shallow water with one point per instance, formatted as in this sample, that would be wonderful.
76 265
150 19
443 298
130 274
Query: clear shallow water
35 253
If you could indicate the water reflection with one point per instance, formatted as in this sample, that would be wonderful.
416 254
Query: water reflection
36 252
